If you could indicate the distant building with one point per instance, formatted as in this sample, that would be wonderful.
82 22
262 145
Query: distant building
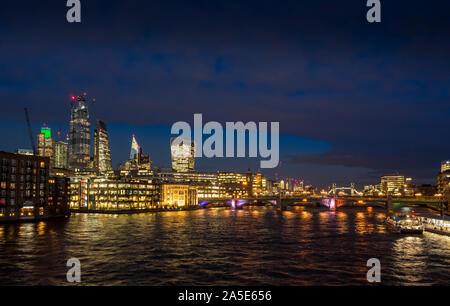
425 190
45 144
445 166
183 155
24 151
61 159
392 183
102 153
443 181
134 147
80 135
137 161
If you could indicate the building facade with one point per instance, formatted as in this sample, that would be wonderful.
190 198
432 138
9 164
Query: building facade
27 191
178 196
61 158
80 135
443 181
112 194
392 183
183 154
102 153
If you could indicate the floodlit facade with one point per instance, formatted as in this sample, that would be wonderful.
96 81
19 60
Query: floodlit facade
183 155
102 153
392 183
215 185
61 159
112 194
178 195
80 135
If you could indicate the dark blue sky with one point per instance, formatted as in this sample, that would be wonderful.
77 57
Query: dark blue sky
354 100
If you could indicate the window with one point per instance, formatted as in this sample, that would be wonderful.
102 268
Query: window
42 164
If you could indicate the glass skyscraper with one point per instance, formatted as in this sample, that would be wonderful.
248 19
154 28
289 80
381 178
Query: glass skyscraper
183 155
102 153
80 135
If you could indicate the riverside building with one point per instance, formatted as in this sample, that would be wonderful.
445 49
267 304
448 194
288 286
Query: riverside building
27 191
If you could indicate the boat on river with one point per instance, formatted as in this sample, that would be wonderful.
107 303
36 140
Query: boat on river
436 224
404 224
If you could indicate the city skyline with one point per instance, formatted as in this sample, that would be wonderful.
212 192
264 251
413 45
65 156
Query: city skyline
225 151
351 107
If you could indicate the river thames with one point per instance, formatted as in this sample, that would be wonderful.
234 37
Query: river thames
220 246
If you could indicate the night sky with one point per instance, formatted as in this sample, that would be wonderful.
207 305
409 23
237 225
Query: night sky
354 100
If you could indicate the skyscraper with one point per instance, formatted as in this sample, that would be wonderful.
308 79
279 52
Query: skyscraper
134 147
137 160
80 134
45 144
102 153
183 155
61 160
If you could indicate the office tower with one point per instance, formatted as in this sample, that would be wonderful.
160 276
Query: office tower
80 135
134 147
445 165
102 153
391 183
45 144
183 155
61 159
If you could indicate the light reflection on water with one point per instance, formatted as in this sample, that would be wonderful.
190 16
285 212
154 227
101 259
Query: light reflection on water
251 246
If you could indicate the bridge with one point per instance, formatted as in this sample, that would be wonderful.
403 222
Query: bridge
334 202
334 191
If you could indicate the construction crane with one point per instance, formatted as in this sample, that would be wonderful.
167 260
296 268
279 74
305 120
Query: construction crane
29 130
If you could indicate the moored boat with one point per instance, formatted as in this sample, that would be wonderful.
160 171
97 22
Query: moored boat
436 224
404 224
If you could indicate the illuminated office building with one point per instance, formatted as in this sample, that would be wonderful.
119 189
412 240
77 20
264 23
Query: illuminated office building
102 153
178 195
183 155
80 135
112 194
445 165
61 156
45 144
392 183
